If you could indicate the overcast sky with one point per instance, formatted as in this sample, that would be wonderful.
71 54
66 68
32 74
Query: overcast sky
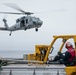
58 16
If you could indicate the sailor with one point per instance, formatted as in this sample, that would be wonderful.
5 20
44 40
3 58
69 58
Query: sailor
68 57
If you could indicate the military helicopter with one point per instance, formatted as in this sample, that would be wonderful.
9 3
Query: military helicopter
22 23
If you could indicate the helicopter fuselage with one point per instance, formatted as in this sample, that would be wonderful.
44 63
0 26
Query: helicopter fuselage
26 22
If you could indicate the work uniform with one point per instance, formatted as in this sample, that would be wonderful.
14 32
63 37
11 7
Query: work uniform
68 57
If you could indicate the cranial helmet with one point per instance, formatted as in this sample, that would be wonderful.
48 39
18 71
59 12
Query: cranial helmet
68 45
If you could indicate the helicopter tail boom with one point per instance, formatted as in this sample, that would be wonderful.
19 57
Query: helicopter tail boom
5 24
2 28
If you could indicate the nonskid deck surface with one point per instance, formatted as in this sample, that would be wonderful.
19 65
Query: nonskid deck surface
33 69
34 66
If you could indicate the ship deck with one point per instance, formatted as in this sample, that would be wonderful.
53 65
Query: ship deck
33 69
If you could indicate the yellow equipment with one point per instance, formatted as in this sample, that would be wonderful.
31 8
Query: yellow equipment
42 51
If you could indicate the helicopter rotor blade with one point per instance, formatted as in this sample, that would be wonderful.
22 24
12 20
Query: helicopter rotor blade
11 13
12 5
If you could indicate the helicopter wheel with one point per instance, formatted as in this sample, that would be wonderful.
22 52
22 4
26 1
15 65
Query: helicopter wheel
10 33
25 28
36 29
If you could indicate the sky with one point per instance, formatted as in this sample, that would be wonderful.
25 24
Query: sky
58 16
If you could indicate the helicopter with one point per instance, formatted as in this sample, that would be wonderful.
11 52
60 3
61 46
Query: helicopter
23 23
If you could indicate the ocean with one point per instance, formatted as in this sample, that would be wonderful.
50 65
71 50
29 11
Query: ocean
13 53
17 53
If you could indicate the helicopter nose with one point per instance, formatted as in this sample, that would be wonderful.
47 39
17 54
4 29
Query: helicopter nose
40 22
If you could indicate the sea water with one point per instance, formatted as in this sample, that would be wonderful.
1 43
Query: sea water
14 53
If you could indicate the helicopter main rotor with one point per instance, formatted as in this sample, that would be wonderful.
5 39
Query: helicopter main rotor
14 6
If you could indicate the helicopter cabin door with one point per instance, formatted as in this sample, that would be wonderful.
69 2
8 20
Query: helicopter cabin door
26 22
22 23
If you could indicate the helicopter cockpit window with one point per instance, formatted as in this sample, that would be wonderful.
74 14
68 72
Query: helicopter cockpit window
37 18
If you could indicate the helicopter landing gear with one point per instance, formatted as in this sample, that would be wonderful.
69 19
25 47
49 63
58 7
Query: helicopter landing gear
25 28
10 33
36 29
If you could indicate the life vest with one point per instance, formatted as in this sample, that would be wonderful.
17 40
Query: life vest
72 52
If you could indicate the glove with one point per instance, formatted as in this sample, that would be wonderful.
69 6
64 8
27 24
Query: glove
59 53
56 58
